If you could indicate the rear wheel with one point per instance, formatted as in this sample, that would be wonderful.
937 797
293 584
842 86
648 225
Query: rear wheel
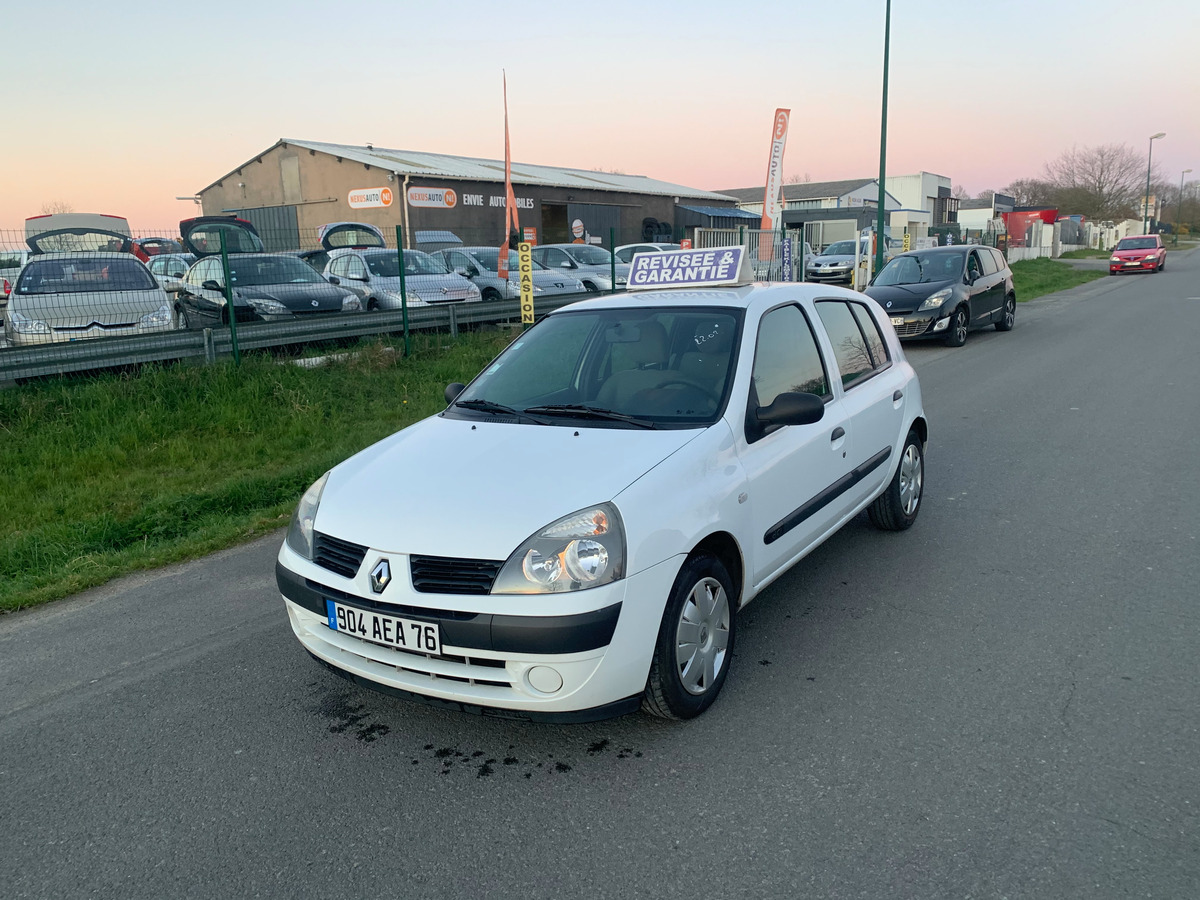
695 641
490 294
590 287
897 507
956 332
1010 314
372 305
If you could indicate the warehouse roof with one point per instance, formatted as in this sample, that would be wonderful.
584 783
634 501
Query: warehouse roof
438 165
805 190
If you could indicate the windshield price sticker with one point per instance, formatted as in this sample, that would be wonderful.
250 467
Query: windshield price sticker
687 268
390 631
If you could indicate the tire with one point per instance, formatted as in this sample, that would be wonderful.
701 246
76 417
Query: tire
590 287
489 295
690 665
1010 314
184 321
897 507
1162 265
372 305
956 331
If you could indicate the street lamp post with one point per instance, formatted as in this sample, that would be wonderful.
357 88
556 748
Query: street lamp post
1179 207
1149 158
887 33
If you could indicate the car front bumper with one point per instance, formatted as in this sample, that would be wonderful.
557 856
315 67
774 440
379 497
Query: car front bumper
836 273
918 325
599 642
1141 265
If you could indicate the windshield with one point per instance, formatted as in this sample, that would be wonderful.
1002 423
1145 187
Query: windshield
666 366
921 268
386 264
272 270
1138 243
840 248
488 259
79 275
590 255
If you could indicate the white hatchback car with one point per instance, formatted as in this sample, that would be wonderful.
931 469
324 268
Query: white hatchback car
594 508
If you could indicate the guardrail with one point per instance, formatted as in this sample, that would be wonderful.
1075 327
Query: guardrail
210 345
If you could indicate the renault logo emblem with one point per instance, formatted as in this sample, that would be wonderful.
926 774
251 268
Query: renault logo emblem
316 303
381 576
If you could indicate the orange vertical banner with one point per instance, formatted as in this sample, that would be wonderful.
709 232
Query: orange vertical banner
772 209
510 200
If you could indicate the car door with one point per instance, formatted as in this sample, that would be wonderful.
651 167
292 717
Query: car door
792 471
873 392
204 305
980 288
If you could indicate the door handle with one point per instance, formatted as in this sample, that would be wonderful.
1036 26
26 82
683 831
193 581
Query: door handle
899 395
838 432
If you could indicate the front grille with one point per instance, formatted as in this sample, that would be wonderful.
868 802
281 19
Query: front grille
338 556
911 329
447 575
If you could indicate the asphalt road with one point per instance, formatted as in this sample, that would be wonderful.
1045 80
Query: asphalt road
1003 701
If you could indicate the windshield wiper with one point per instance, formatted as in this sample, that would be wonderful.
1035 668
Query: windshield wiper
490 406
580 411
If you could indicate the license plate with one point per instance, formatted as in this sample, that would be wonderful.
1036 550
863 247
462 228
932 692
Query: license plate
1133 263
390 631
897 320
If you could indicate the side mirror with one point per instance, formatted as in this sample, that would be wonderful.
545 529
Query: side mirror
452 391
333 279
211 285
791 408
462 270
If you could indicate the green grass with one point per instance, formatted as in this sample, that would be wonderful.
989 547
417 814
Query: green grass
1085 254
111 474
1034 278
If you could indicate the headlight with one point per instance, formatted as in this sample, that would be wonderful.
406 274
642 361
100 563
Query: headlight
474 293
1115 259
1151 256
936 299
300 532
583 550
24 325
268 307
622 281
350 303
159 318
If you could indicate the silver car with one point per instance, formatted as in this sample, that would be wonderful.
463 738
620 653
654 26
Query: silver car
78 296
480 264
374 274
590 264
625 252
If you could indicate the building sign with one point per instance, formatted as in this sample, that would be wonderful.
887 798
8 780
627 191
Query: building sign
686 268
437 198
525 268
530 234
368 198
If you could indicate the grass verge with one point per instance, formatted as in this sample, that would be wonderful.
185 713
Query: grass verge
116 473
1034 278
1085 254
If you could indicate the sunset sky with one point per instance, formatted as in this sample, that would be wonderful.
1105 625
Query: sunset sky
119 109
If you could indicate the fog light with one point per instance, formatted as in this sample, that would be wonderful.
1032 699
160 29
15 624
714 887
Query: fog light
942 323
544 679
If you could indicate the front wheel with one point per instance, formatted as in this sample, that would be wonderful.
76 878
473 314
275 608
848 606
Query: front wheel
897 507
956 333
695 641
590 287
1010 314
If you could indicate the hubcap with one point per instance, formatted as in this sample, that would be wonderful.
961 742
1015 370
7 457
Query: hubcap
910 479
1010 311
960 326
702 636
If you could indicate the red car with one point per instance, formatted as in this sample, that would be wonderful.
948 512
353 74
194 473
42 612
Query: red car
1144 253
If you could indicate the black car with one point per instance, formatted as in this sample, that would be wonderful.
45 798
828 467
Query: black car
945 291
266 286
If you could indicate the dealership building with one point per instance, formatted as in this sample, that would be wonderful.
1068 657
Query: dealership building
291 189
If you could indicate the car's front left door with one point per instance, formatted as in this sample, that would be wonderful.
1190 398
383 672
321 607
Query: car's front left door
793 472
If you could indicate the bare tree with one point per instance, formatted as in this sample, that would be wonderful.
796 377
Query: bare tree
958 192
986 195
53 207
1103 182
797 178
1030 192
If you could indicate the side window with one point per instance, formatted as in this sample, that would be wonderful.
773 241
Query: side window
555 258
1001 262
338 267
973 267
156 265
786 357
459 261
849 345
355 268
988 261
875 342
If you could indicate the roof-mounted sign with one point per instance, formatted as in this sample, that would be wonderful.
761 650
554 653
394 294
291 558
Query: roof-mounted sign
689 268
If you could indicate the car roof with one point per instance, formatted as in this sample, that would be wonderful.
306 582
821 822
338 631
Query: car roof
764 295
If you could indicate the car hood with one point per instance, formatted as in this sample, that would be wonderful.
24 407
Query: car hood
476 489
304 297
81 310
430 288
904 298
825 260
1134 254
622 270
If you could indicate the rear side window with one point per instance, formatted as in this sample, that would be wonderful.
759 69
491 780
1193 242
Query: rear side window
850 346
1001 262
989 262
10 260
870 329
786 357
